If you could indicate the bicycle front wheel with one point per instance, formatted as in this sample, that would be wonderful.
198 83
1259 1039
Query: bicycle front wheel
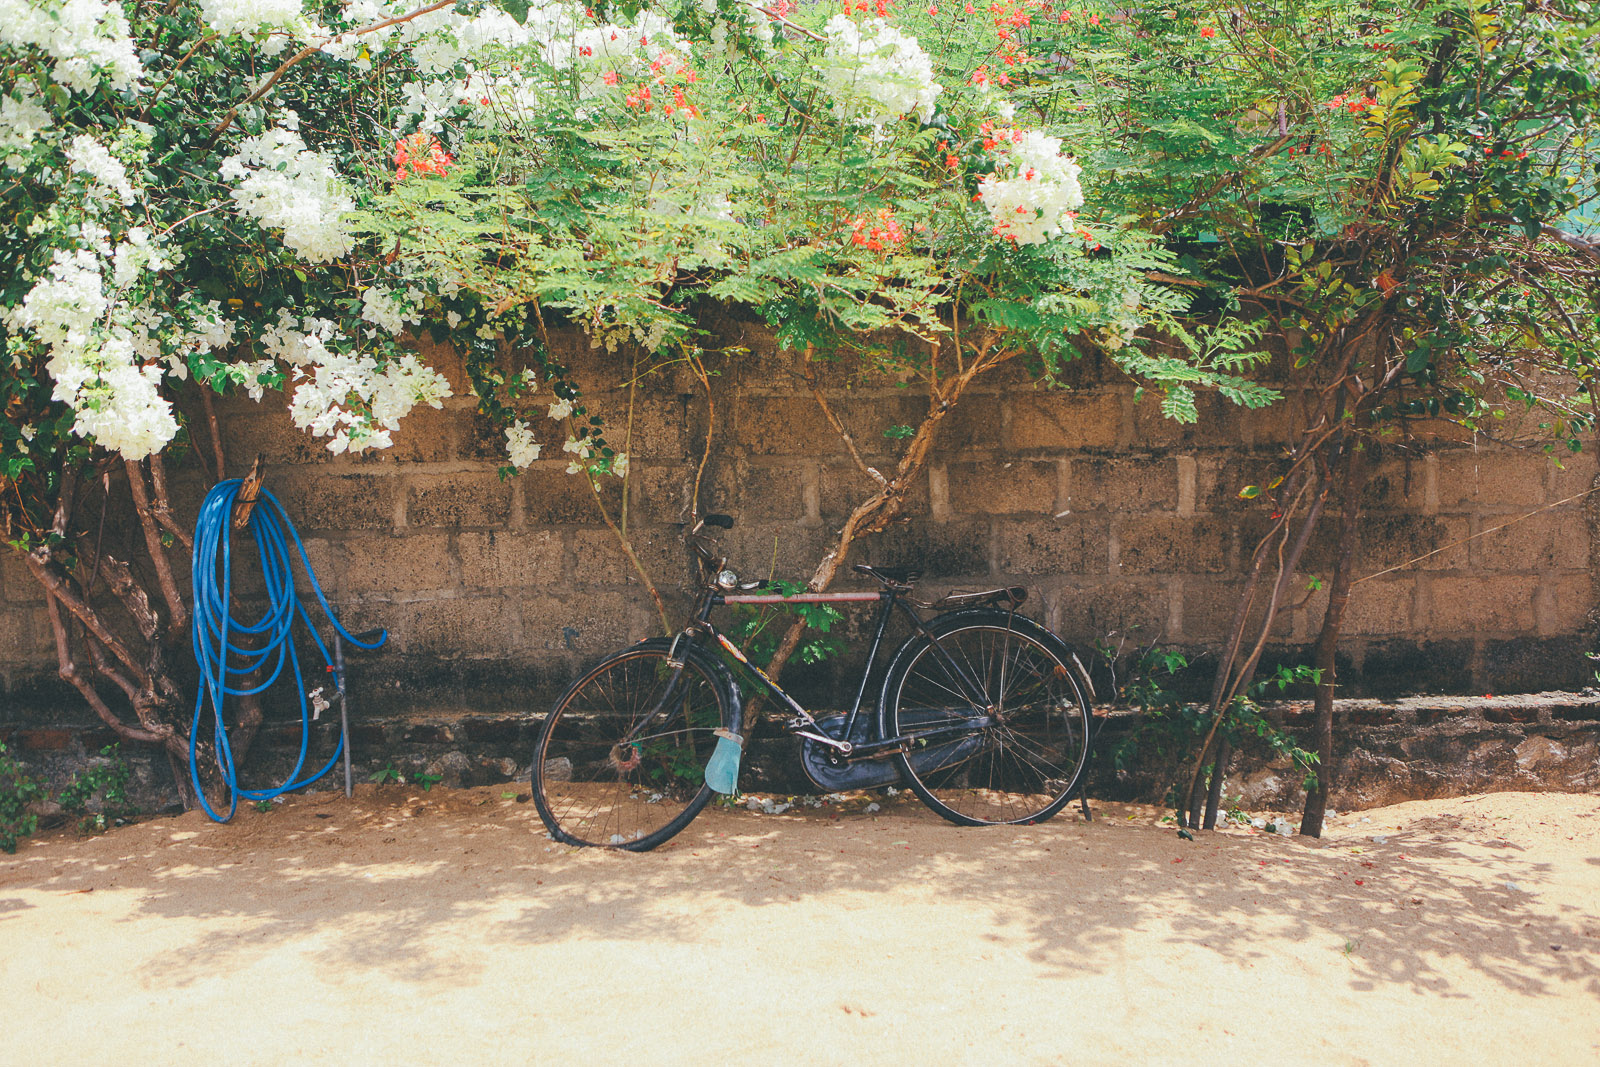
997 720
619 762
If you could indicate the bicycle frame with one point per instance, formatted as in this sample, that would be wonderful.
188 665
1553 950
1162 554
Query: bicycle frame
805 724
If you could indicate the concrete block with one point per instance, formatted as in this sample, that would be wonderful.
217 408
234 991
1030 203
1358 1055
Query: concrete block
1437 432
338 501
1405 665
1021 487
552 497
778 549
426 435
974 423
1072 545
1220 478
1048 420
658 428
458 500
1389 540
842 487
1144 483
268 431
660 492
1157 544
320 557
759 491
1279 423
1209 605
940 550
1492 479
1553 540
589 626
1135 609
461 627
1576 474
1322 547
378 564
1524 664
598 558
1396 484
1479 604
784 426
17 585
1382 607
503 559
868 419
477 437
1571 602
1220 425
444 359
25 638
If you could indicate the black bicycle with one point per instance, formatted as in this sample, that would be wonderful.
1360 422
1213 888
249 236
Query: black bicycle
983 713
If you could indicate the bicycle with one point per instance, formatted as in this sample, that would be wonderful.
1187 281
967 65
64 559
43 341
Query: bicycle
982 712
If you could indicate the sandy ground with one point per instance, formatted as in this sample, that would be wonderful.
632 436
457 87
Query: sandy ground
404 927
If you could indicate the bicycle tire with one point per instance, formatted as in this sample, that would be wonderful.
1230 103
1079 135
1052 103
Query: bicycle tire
1022 768
599 781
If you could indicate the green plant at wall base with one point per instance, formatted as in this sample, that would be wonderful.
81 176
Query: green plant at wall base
1171 730
17 791
109 781
387 776
427 781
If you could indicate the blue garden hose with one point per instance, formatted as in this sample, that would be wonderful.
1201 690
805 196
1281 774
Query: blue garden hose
271 637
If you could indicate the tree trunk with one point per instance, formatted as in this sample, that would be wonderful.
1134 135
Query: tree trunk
1354 477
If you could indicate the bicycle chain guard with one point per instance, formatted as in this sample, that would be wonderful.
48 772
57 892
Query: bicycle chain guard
837 777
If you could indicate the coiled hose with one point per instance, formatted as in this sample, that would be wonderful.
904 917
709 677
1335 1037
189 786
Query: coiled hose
226 666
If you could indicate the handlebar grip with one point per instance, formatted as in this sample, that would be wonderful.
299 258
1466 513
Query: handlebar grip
724 521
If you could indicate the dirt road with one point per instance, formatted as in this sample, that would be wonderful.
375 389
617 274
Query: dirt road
404 927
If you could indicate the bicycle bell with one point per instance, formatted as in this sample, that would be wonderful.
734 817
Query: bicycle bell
727 580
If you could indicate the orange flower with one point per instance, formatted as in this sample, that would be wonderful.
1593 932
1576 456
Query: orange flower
420 153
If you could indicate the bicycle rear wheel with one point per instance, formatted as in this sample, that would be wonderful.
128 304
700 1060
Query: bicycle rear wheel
619 762
1016 755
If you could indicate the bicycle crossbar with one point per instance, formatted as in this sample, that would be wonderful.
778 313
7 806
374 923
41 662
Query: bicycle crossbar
801 598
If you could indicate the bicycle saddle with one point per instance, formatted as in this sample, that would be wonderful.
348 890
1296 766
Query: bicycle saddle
890 575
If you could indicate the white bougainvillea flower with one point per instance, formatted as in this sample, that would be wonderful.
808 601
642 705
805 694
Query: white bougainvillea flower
249 16
87 39
875 74
285 185
1033 193
520 445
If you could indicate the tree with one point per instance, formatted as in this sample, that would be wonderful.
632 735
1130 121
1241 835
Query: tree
1383 186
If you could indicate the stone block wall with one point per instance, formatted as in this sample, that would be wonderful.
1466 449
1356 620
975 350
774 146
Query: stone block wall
496 591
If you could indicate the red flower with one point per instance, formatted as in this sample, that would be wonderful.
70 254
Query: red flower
421 153
876 231
1207 31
